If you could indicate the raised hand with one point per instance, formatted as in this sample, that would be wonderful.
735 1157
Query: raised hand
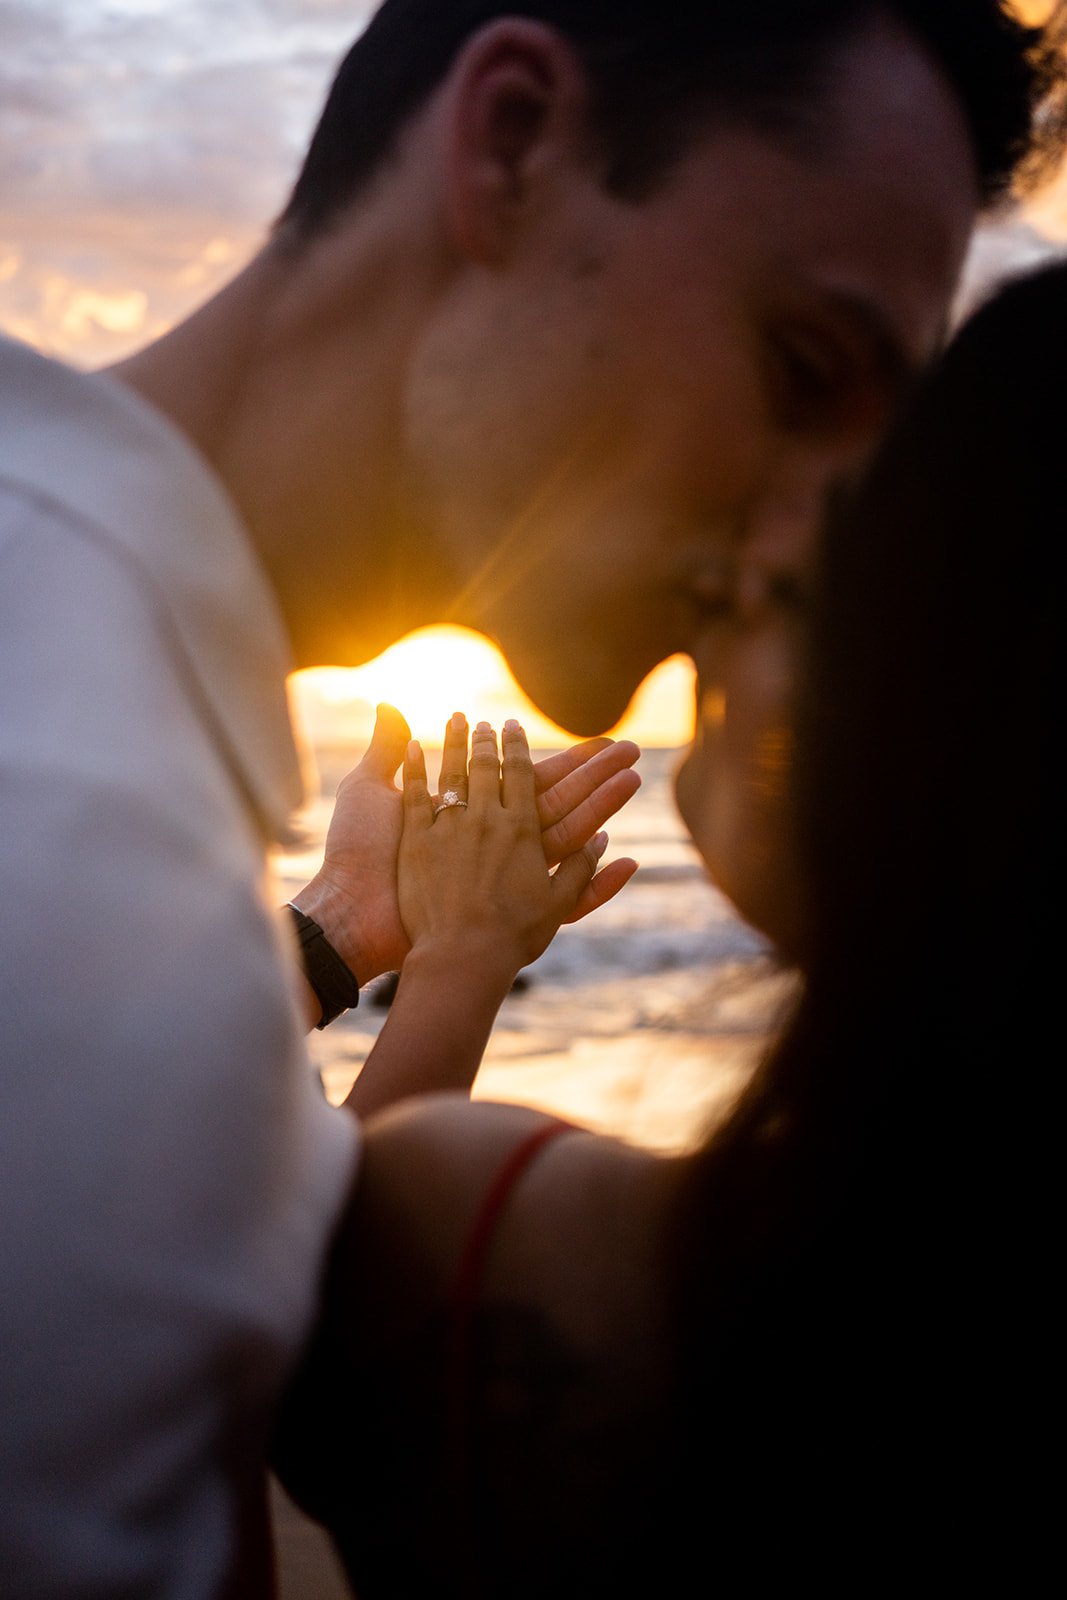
473 880
477 901
353 895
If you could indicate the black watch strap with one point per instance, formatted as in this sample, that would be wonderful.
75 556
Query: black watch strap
331 978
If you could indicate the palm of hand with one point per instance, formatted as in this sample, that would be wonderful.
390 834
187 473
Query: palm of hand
360 866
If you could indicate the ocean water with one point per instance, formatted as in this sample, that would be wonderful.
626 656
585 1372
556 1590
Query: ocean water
643 1020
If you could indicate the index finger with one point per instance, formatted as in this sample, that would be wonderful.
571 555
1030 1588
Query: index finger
575 781
556 766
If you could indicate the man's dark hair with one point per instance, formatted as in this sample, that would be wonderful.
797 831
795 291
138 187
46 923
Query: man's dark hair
659 72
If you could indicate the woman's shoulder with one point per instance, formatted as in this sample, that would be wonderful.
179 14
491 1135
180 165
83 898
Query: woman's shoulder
492 1341
557 1207
434 1129
427 1167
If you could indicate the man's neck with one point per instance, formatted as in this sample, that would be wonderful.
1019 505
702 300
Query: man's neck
288 383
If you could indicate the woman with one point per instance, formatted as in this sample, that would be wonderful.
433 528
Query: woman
816 1350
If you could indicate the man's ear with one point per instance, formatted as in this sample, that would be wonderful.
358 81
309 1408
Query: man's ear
515 117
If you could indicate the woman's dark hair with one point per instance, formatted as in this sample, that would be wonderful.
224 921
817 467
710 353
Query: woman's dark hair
660 72
867 1271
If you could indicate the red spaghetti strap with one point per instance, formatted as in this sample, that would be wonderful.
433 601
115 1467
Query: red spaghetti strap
468 1279
459 1353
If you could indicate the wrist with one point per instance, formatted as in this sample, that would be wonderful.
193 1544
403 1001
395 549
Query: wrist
310 1003
339 921
330 986
463 967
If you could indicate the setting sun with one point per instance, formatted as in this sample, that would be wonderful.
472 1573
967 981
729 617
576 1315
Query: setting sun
436 671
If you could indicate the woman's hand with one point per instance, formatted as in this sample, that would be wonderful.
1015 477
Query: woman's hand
474 885
477 901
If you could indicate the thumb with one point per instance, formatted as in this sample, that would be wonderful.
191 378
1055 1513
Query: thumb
574 872
388 743
605 886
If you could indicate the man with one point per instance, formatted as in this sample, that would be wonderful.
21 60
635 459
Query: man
570 351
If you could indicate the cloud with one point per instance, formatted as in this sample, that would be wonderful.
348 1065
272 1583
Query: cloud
144 149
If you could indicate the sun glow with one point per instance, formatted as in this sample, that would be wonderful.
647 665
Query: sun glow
437 671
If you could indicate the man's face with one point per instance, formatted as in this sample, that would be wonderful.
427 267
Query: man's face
601 433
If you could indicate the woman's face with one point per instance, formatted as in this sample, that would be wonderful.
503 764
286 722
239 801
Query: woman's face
733 788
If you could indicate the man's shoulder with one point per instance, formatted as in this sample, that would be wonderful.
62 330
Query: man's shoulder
128 581
86 670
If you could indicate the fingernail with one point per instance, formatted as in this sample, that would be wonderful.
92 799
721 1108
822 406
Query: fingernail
511 726
483 727
600 844
458 722
414 750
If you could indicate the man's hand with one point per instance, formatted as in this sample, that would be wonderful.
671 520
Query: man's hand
353 896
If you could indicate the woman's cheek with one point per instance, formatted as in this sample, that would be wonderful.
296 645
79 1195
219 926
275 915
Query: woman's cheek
733 788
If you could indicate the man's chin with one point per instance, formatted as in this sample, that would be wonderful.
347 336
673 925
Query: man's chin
579 704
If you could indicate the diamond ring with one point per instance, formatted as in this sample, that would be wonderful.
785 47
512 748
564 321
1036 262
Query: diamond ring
448 800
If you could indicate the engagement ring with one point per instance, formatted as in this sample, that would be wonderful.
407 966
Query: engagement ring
449 799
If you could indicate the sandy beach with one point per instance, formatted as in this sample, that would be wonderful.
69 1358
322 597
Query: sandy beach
643 1022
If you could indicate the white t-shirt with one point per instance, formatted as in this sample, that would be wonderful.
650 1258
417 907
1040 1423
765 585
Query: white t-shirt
169 1168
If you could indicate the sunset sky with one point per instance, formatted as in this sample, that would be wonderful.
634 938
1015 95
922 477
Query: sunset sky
145 145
